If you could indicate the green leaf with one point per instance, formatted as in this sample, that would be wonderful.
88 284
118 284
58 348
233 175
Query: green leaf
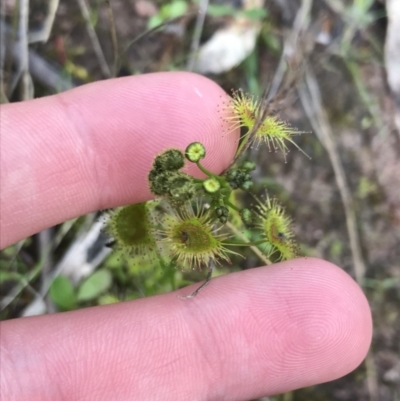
62 293
108 299
217 10
94 285
175 9
10 276
154 21
255 13
168 11
222 10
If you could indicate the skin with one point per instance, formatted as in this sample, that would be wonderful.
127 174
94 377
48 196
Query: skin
250 334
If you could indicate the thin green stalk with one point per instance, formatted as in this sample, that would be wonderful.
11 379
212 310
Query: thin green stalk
231 205
205 171
246 243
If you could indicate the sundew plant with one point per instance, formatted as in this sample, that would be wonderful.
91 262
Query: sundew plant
188 223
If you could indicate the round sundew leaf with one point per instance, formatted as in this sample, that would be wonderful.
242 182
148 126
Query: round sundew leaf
132 229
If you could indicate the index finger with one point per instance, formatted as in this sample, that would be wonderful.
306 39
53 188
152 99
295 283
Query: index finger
91 148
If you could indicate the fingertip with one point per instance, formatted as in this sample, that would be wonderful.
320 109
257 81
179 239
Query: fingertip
300 322
348 319
248 334
150 113
93 147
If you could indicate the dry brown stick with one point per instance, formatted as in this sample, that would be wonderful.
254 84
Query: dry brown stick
197 34
94 39
3 97
47 73
310 97
42 35
22 74
113 34
290 47
392 56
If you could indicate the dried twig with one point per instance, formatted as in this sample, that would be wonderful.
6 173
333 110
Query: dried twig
24 281
46 256
310 97
43 34
290 47
75 264
311 100
94 39
3 97
197 34
48 74
113 34
392 55
22 75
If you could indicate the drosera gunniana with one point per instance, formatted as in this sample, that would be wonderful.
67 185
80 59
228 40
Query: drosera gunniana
192 233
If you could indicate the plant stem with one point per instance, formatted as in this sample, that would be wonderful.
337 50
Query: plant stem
205 171
231 205
197 180
245 243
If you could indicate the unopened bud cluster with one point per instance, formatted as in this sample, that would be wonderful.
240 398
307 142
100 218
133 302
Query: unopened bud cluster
240 177
166 180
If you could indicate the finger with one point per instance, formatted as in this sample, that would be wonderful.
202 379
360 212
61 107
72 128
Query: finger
249 334
92 147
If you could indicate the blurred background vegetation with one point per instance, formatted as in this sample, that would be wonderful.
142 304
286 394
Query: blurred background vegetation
345 202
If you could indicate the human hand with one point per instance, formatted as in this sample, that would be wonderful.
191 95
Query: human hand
258 332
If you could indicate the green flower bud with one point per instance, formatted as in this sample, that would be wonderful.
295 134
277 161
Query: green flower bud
223 219
248 166
181 188
245 214
240 176
158 182
195 152
222 211
231 175
246 185
170 160
211 185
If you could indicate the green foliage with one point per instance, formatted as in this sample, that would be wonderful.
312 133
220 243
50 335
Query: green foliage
63 293
359 14
66 297
190 235
168 11
95 285
223 10
366 187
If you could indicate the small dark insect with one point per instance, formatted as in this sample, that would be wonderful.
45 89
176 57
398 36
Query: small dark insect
110 243
281 236
185 237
